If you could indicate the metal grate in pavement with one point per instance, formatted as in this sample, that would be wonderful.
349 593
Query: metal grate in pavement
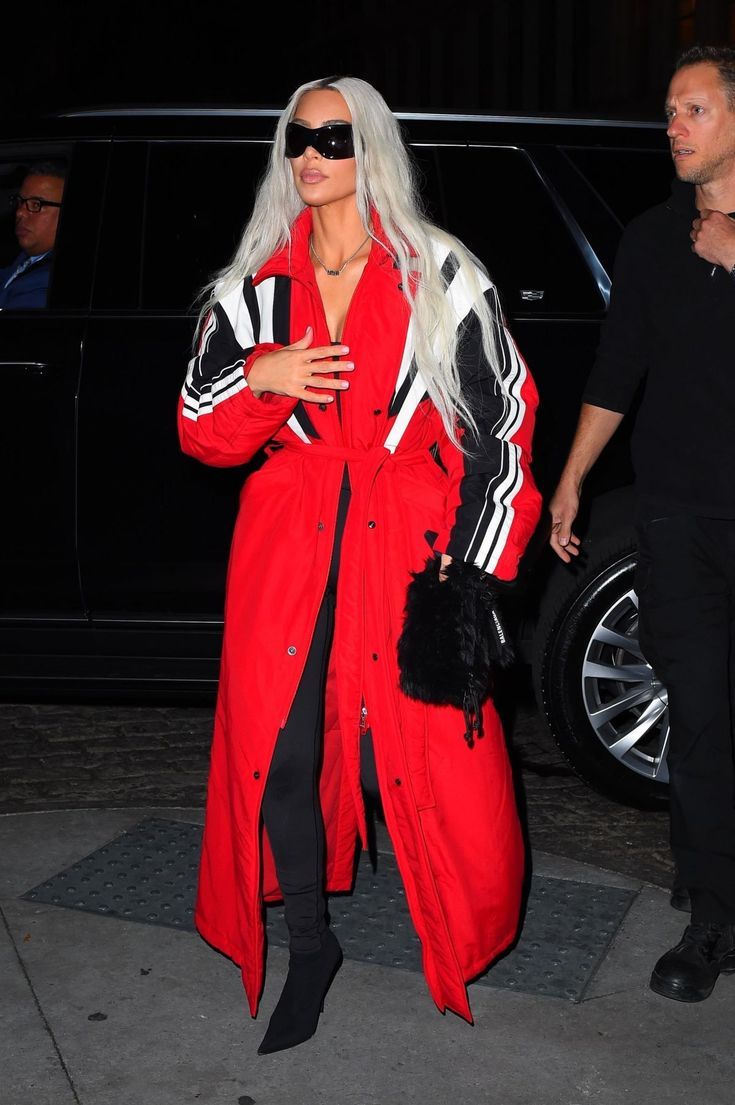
148 874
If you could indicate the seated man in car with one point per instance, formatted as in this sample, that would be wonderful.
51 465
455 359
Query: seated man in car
24 283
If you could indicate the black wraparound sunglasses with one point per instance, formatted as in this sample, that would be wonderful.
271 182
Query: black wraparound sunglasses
333 141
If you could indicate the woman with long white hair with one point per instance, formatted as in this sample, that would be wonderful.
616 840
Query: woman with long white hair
364 350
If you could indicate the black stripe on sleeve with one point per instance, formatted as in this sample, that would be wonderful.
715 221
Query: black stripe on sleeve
489 506
400 396
251 302
302 417
449 269
282 310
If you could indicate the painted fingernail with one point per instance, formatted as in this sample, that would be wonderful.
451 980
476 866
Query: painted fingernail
344 384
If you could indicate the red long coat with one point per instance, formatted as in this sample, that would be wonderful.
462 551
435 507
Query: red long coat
449 809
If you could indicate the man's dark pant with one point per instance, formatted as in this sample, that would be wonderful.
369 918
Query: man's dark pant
686 589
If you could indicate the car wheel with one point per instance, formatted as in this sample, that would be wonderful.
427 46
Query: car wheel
604 705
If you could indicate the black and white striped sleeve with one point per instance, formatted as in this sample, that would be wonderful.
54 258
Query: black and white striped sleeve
493 504
220 421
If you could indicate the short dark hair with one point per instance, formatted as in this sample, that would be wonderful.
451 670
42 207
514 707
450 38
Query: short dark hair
47 168
723 59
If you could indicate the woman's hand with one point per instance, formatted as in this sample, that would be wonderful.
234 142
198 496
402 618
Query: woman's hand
291 371
445 561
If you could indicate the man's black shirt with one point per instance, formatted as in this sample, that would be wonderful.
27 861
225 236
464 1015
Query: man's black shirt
671 330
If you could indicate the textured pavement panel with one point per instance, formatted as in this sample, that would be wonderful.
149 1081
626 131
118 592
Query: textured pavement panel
148 874
106 1012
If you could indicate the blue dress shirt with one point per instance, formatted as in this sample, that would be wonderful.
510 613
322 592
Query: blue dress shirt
29 288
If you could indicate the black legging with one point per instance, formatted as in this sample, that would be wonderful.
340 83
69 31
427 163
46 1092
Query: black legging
291 809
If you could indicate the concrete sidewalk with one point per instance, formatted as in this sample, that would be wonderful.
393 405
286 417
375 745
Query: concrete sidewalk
101 1011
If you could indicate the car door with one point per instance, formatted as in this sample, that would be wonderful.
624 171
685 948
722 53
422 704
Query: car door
155 525
40 358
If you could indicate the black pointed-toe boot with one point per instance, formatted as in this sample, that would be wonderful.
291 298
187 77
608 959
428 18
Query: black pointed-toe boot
296 1014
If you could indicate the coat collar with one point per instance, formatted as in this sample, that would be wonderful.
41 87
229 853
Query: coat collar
682 200
293 260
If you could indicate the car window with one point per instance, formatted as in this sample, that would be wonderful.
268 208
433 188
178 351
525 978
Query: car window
117 272
198 199
31 184
497 204
11 175
429 182
628 181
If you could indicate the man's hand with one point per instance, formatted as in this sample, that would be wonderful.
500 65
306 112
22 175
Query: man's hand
563 509
713 238
595 428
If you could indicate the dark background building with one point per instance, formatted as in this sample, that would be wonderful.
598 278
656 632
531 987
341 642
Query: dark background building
610 57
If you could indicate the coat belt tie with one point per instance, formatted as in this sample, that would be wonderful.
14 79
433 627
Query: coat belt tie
366 519
376 454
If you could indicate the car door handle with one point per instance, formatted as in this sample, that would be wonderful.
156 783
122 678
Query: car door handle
532 295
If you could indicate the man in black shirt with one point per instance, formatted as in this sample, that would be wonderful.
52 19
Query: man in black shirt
670 337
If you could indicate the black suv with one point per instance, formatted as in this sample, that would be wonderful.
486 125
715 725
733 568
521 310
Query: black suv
115 543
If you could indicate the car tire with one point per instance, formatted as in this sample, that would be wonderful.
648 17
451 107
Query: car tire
604 706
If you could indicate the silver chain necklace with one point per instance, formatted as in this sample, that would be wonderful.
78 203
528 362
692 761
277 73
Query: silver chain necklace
339 271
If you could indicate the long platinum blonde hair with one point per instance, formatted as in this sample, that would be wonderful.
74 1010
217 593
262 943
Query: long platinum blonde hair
386 183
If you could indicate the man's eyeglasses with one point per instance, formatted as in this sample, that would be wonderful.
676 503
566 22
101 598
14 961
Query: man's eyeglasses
31 203
333 141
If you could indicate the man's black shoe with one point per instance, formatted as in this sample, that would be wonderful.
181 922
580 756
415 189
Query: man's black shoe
689 971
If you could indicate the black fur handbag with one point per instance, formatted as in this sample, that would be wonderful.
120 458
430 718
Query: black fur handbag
452 638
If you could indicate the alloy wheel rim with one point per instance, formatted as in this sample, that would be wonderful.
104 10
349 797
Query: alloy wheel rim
627 706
